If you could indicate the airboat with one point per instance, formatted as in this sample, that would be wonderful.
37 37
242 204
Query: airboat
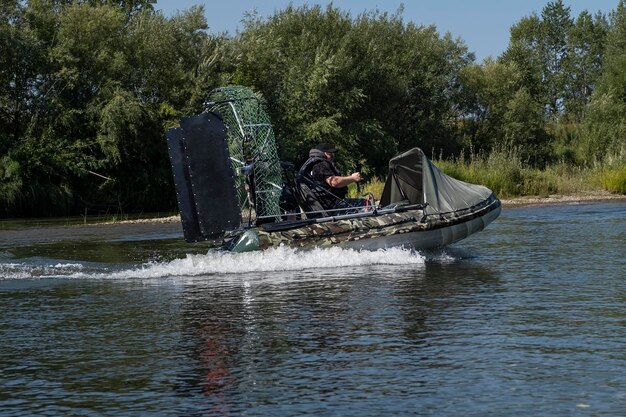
234 191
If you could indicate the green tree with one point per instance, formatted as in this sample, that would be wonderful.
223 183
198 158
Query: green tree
488 88
584 66
559 57
372 84
525 51
604 136
501 114
21 62
523 129
561 60
88 88
556 26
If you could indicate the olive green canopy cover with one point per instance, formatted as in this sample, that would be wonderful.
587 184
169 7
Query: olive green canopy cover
414 178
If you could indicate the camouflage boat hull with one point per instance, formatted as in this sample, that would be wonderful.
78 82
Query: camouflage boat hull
407 228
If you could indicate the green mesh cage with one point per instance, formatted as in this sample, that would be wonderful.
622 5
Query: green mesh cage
252 149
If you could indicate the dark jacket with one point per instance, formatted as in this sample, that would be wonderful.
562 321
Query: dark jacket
317 169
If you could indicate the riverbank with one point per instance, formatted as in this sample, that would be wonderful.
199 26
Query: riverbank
587 197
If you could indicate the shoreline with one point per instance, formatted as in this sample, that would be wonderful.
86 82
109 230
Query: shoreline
555 199
523 201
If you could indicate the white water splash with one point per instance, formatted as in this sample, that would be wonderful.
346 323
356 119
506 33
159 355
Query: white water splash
272 260
26 271
218 262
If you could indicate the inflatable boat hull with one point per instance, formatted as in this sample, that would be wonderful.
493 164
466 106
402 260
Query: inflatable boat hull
406 228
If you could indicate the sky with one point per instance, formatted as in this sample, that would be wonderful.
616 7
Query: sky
482 24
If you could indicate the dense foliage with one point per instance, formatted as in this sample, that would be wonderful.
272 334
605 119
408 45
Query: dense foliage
88 88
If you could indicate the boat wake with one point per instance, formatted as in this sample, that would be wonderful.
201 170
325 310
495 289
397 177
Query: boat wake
34 271
219 262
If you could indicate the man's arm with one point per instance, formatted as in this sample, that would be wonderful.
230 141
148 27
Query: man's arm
336 181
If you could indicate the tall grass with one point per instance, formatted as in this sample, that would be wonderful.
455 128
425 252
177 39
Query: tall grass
613 179
501 172
374 186
508 176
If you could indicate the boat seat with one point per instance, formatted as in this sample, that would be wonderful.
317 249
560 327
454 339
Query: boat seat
309 197
312 194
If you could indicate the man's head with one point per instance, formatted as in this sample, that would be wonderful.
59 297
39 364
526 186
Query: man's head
327 148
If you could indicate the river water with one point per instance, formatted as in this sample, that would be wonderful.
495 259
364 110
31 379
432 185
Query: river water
527 318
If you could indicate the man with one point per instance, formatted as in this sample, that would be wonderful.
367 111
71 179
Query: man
321 169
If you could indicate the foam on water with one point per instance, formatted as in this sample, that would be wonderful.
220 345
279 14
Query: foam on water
272 260
219 262
27 271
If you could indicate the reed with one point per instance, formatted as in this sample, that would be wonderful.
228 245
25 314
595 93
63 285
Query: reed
508 176
505 173
374 186
613 179
502 172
